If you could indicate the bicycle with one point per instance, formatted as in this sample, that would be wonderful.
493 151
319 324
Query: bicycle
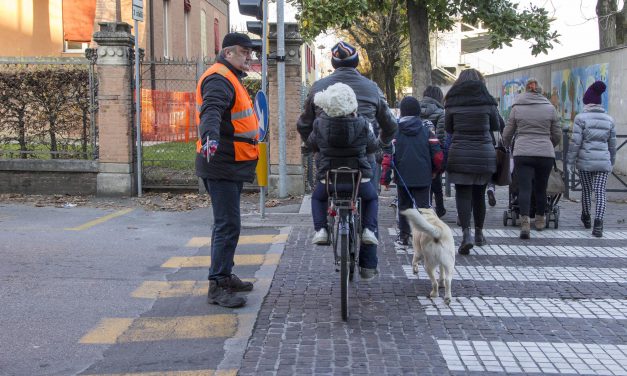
344 204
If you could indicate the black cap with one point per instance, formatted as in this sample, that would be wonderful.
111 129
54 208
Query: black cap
410 106
237 39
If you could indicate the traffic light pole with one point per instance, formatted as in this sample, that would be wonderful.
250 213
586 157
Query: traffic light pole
280 59
264 88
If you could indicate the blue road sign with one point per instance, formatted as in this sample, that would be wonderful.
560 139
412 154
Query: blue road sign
261 110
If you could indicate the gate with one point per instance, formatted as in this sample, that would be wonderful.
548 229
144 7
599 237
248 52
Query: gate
168 101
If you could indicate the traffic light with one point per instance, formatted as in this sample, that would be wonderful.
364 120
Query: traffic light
254 27
251 8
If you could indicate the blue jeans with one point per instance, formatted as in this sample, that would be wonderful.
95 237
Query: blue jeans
369 205
225 202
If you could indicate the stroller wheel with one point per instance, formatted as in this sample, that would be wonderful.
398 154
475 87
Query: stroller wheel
505 218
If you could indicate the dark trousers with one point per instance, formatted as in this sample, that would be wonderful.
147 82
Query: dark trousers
470 199
420 195
369 205
225 202
438 195
532 175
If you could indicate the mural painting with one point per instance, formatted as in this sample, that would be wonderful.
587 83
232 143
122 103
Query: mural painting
509 90
569 85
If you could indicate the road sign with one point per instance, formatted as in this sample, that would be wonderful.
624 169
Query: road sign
261 110
138 10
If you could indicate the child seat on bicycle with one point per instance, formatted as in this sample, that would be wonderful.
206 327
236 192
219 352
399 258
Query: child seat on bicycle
340 134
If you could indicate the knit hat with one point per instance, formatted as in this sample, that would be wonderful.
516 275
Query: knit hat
337 100
410 107
344 55
593 94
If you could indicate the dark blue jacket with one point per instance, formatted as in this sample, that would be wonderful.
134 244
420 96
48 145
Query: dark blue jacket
417 153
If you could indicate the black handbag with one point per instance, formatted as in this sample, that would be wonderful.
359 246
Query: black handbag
503 175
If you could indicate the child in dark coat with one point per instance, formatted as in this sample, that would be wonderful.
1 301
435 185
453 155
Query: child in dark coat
417 159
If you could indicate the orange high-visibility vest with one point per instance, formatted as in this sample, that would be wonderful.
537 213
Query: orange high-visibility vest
243 118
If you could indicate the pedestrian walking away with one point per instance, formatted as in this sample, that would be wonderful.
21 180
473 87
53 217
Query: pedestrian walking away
431 109
592 150
417 159
470 116
372 106
226 157
534 123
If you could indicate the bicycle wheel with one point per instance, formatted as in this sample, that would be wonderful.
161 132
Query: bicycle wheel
344 237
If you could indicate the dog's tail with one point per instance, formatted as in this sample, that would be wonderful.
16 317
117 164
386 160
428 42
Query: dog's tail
420 223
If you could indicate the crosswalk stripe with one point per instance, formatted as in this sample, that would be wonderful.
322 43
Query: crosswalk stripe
174 289
205 261
486 306
547 234
200 372
534 357
197 242
124 330
532 274
537 251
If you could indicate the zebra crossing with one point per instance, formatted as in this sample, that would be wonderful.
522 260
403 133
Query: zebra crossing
606 355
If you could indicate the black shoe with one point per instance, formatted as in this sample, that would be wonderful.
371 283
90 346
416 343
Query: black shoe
440 212
464 248
585 218
403 239
237 285
220 294
491 198
480 240
598 228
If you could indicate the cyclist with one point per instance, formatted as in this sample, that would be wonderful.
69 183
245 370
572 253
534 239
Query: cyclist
371 105
339 134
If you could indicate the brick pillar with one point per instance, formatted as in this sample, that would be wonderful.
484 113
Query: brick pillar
293 84
117 175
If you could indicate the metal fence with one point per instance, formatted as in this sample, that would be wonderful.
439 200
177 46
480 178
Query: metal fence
48 108
168 101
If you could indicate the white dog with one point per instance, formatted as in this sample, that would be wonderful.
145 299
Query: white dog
434 244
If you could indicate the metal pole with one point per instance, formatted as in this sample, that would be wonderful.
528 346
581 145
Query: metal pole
264 84
138 126
280 58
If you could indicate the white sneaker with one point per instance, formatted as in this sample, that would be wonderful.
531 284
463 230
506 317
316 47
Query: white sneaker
320 237
368 237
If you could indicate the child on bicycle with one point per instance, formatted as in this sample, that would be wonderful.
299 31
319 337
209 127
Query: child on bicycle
417 160
340 134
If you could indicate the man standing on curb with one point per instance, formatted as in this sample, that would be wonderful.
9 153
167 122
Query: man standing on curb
226 157
371 105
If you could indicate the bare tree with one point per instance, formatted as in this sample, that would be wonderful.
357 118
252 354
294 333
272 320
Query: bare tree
606 17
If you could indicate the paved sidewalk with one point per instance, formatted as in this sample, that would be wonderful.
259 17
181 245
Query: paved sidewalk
553 304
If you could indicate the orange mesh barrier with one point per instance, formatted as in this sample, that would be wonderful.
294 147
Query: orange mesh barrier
168 116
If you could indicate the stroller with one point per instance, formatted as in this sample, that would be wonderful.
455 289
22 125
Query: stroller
554 190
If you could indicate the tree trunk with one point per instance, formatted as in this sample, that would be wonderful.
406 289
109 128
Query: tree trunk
606 13
621 26
419 44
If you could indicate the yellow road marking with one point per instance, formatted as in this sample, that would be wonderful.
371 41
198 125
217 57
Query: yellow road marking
205 261
100 220
173 289
142 329
200 372
198 242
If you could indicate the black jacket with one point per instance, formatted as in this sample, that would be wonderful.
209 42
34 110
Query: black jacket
432 110
218 97
470 116
340 138
415 156
371 104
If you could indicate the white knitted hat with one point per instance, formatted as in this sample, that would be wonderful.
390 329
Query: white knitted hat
337 100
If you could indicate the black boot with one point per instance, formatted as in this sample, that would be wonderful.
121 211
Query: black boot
585 218
480 240
464 248
221 294
598 228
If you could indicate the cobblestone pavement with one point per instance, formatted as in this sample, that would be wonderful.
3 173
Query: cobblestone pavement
555 304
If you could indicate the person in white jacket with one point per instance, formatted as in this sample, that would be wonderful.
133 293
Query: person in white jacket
592 150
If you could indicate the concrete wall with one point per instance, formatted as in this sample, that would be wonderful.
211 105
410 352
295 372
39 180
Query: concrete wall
608 65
